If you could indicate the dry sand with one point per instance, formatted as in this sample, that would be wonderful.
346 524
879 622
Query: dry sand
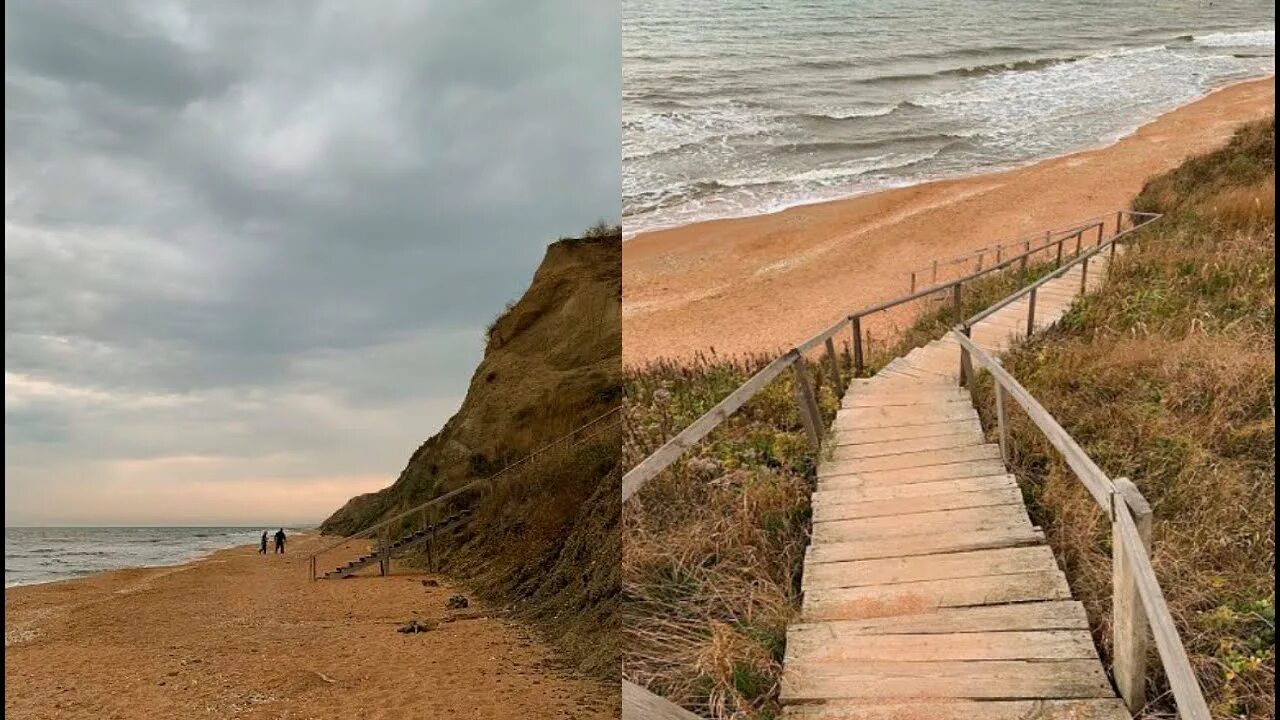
238 635
763 283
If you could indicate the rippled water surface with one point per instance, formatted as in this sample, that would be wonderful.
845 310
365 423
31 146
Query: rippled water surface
33 555
734 107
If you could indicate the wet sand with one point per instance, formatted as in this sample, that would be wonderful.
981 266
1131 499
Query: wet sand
237 635
764 283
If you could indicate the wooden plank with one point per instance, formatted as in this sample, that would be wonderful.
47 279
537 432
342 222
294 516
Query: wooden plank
893 399
893 416
947 709
998 645
851 451
832 476
843 508
640 704
925 522
872 493
1050 615
919 597
863 436
923 544
995 679
922 458
921 568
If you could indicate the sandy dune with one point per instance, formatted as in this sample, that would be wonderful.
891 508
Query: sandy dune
241 636
766 282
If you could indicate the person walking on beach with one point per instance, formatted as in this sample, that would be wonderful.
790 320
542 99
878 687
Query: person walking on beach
280 541
262 549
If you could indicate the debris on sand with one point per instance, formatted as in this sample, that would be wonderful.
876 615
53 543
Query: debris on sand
430 583
416 626
457 602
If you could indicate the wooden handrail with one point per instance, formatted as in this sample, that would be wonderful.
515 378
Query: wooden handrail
440 499
1082 257
1066 232
1132 568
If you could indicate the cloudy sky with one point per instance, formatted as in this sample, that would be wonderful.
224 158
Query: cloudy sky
250 248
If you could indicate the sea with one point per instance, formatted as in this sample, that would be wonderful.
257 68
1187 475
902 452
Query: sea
739 107
37 555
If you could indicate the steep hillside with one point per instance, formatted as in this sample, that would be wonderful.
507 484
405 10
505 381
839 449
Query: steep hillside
544 539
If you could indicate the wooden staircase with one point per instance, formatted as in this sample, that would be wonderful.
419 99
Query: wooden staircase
928 593
384 553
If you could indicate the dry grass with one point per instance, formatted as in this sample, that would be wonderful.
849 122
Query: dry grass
1167 376
713 547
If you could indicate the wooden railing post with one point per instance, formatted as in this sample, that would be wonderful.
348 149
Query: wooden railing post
955 295
980 254
834 363
913 281
1119 220
855 324
1002 422
1059 262
934 281
966 364
1079 239
999 253
807 404
1084 274
1031 312
1099 243
1131 635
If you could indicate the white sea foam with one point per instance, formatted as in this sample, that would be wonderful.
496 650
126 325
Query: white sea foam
1250 38
732 107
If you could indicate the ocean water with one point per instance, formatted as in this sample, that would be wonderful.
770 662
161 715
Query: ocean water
35 555
736 107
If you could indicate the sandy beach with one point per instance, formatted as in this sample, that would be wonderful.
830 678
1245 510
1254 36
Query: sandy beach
237 635
763 283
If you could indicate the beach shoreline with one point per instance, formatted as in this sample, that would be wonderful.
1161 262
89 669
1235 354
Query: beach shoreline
237 634
759 283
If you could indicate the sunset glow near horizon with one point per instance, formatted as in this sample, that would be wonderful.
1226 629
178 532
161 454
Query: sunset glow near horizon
251 251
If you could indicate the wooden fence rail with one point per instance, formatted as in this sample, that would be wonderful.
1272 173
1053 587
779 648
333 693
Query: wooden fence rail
1138 603
975 257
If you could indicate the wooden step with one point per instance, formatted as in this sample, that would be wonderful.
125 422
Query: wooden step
836 506
909 598
995 679
854 450
864 436
917 459
832 477
946 709
920 568
862 493
924 544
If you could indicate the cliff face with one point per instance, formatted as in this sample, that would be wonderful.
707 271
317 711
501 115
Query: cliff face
545 538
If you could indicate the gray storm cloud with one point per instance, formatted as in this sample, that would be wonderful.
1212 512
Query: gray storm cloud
258 243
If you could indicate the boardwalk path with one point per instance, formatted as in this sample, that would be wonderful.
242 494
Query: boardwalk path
927 591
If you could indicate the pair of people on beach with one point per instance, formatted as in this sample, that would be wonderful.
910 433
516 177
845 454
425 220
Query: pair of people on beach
279 538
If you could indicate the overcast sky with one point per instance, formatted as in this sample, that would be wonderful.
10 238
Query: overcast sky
250 248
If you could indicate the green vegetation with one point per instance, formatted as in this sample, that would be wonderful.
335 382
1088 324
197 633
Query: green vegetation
714 546
1167 376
